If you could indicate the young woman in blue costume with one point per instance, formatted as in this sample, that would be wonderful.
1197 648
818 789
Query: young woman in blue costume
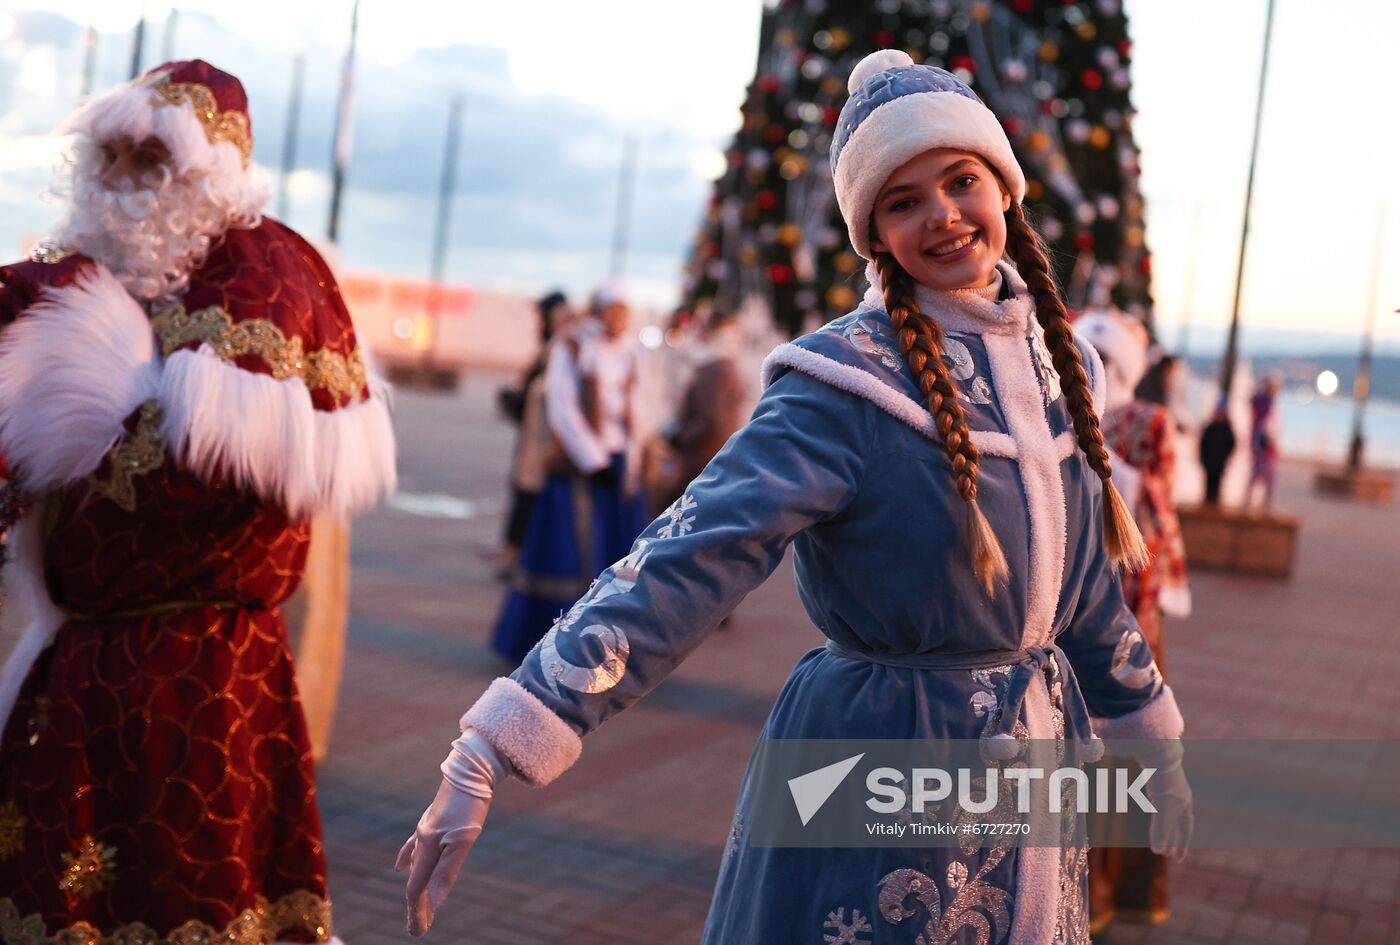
935 460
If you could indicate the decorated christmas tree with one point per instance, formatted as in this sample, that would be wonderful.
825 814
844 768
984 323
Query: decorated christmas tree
1055 72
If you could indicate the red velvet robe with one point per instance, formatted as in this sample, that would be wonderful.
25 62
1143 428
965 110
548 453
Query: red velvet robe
155 769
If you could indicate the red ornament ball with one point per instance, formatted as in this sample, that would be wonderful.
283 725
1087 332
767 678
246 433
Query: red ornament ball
1091 79
1084 239
780 274
963 62
1023 6
766 199
768 83
884 39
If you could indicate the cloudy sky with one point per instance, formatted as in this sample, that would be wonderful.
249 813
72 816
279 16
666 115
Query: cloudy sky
553 87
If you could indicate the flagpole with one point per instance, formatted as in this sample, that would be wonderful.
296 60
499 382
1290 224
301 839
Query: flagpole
89 61
136 42
289 135
343 130
1361 390
1227 371
446 189
167 52
626 179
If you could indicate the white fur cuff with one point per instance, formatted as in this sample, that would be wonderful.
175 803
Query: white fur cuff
1159 718
539 744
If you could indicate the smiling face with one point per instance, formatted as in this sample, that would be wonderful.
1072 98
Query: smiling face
940 216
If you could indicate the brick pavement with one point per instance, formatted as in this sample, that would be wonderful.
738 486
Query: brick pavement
623 848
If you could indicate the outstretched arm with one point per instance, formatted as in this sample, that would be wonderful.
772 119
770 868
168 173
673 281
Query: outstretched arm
798 462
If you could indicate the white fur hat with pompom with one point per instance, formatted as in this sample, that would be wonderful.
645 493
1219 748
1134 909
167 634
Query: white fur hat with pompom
896 112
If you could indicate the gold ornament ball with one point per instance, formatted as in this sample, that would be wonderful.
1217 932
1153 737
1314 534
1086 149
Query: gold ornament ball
789 234
981 11
1034 190
846 262
748 255
1049 51
1100 137
840 296
792 168
1039 141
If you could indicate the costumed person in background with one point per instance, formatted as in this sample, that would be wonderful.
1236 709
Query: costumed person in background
181 389
524 406
936 461
713 405
591 506
1263 443
1126 882
1217 444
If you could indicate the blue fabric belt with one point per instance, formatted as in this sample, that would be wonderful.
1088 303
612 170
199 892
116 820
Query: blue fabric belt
1024 666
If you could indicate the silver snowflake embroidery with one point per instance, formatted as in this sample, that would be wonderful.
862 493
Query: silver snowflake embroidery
974 387
679 522
870 340
839 933
736 836
1045 368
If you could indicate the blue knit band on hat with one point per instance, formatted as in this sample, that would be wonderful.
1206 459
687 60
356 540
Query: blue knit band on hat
885 87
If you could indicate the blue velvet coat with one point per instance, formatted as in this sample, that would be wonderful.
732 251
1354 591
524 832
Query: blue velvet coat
841 461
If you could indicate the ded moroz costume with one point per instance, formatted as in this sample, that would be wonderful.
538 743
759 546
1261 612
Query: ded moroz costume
156 780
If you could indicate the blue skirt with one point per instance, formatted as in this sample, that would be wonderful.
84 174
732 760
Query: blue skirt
576 530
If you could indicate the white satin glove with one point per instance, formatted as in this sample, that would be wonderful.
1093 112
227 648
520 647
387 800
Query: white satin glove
449 827
1167 790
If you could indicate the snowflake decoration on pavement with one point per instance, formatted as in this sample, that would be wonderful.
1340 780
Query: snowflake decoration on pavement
839 933
679 523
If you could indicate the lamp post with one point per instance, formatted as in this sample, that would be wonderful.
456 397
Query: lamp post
1361 391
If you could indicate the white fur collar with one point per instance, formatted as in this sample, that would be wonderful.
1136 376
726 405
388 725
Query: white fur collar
966 311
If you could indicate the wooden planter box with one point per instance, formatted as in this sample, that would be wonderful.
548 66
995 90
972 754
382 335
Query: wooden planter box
1366 485
1229 540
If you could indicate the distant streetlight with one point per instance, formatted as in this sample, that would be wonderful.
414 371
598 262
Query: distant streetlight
1327 383
7 25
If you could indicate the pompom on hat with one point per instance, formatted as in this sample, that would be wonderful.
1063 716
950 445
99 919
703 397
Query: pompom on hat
897 111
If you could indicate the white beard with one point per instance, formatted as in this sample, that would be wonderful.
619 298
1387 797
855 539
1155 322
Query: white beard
151 235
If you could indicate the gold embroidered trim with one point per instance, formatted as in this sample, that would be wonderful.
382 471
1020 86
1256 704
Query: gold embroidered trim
89 870
135 455
298 911
12 824
342 376
49 253
228 126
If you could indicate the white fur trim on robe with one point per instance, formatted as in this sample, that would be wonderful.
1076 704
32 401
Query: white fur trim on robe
61 413
29 618
539 745
267 437
1158 718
